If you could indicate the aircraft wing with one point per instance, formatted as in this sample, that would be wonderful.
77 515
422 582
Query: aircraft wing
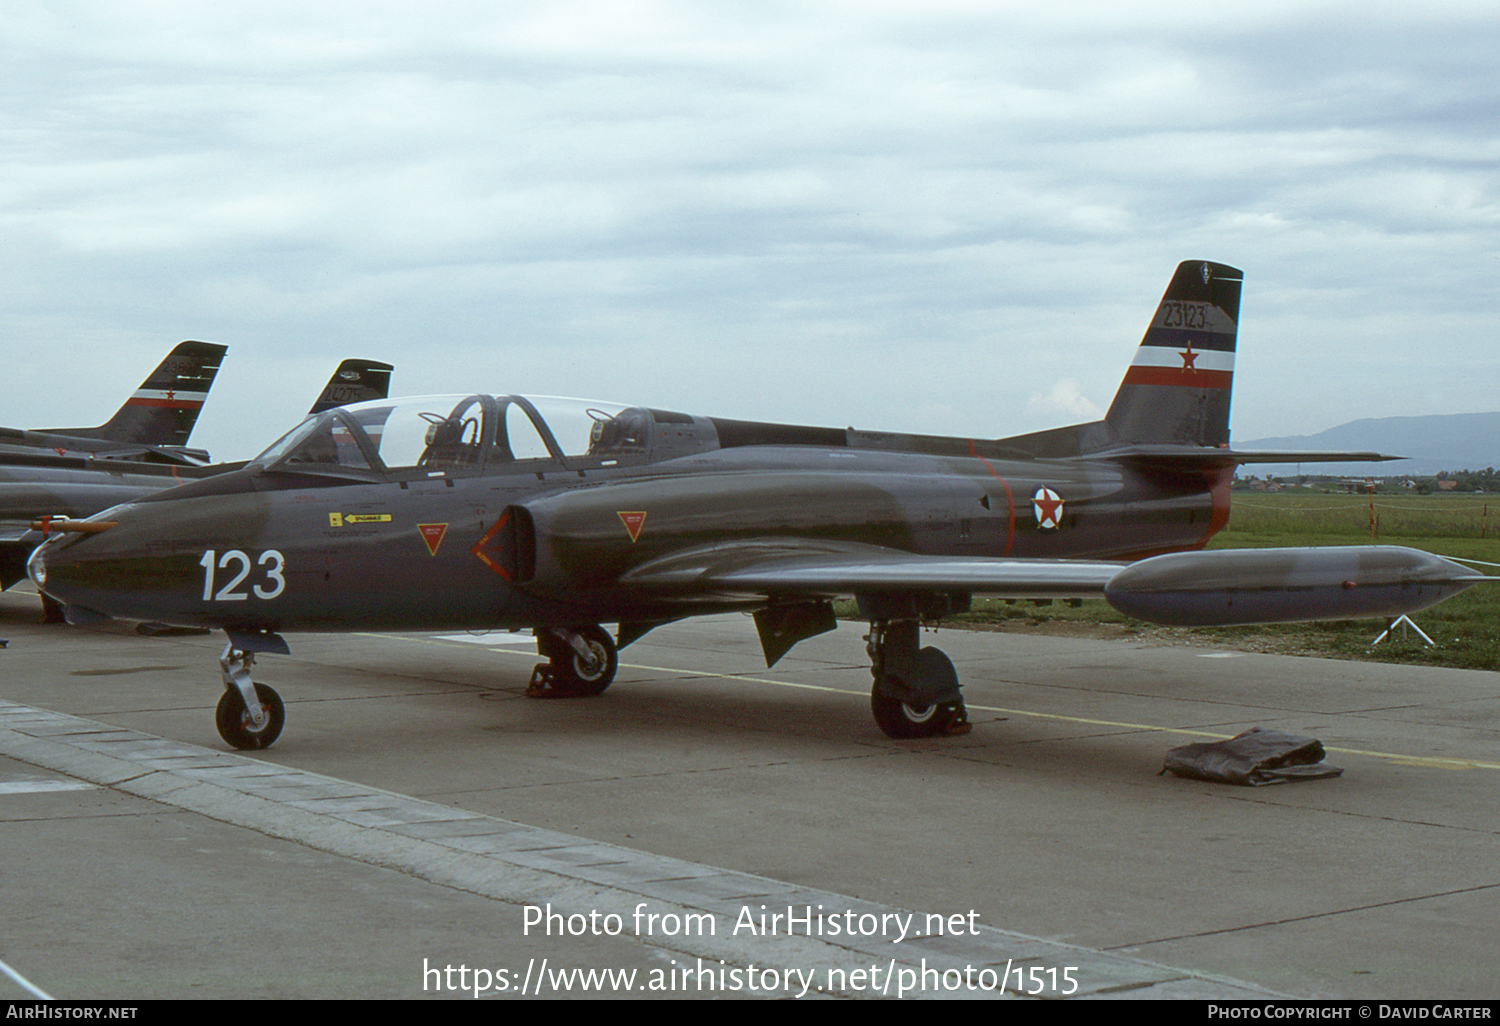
1209 589
13 551
780 567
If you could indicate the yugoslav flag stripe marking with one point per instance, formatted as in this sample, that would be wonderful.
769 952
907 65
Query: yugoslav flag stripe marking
1179 377
171 404
1176 357
167 397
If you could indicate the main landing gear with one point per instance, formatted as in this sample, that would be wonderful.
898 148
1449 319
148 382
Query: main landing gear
581 662
250 715
916 691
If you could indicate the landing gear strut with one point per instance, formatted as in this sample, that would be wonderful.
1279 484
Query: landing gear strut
581 662
916 691
249 715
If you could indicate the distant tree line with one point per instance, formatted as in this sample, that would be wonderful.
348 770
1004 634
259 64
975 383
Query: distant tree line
1468 481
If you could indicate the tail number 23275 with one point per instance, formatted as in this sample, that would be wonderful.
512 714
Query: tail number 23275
231 571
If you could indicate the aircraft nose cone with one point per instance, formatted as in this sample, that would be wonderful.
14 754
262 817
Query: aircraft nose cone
73 566
40 568
36 569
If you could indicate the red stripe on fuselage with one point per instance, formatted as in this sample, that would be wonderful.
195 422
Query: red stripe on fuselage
1010 500
1219 483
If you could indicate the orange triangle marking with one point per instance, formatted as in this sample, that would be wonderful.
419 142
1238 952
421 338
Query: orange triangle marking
633 523
433 534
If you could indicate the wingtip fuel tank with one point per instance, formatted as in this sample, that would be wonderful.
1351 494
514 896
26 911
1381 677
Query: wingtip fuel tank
1247 586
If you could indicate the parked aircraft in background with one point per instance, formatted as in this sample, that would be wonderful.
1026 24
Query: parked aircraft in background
154 424
513 512
136 453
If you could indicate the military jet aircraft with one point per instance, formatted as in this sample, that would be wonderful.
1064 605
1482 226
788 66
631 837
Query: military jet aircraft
137 452
154 424
515 512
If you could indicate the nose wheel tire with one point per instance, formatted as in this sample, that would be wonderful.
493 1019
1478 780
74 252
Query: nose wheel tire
239 730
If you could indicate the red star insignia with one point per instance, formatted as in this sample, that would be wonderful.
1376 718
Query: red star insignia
171 393
1188 358
1047 505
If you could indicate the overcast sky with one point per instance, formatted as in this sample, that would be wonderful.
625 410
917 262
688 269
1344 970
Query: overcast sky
948 217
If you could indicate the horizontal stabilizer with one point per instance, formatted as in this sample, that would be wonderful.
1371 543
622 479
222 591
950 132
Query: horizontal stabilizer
1314 457
1209 456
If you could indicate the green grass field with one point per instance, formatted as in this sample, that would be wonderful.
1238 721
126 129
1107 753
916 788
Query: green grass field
1466 628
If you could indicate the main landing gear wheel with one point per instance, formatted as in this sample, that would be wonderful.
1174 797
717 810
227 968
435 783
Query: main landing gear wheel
581 663
238 728
916 691
901 720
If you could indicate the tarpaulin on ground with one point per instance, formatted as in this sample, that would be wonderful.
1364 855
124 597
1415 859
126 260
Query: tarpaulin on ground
1255 757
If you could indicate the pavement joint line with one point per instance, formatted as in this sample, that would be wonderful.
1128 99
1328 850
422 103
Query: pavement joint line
530 865
1431 762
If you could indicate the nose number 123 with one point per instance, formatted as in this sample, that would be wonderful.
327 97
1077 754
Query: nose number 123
236 567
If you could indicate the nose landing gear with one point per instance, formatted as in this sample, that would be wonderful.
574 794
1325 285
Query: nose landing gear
249 715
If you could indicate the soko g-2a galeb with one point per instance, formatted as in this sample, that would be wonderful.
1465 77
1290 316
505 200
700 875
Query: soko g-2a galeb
515 512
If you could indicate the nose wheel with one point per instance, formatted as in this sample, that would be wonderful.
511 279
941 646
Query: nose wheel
238 726
249 715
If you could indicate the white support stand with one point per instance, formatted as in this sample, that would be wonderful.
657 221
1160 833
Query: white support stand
1403 621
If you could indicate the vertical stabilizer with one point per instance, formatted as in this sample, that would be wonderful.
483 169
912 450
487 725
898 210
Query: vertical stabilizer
355 381
165 408
1177 389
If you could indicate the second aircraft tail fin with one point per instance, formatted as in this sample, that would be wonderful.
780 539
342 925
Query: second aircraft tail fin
165 408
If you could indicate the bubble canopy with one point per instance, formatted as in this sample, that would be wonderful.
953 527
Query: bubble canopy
441 434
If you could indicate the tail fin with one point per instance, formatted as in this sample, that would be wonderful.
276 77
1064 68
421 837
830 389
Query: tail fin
165 408
355 381
1177 389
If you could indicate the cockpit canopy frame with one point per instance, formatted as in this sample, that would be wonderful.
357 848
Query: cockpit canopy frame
456 435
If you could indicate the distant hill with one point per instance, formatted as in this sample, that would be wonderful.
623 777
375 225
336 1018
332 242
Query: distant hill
1453 441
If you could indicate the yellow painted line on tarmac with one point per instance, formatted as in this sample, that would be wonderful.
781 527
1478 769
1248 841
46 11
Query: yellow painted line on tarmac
1431 762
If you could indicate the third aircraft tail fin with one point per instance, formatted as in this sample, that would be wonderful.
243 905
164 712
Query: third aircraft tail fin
1177 390
355 381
